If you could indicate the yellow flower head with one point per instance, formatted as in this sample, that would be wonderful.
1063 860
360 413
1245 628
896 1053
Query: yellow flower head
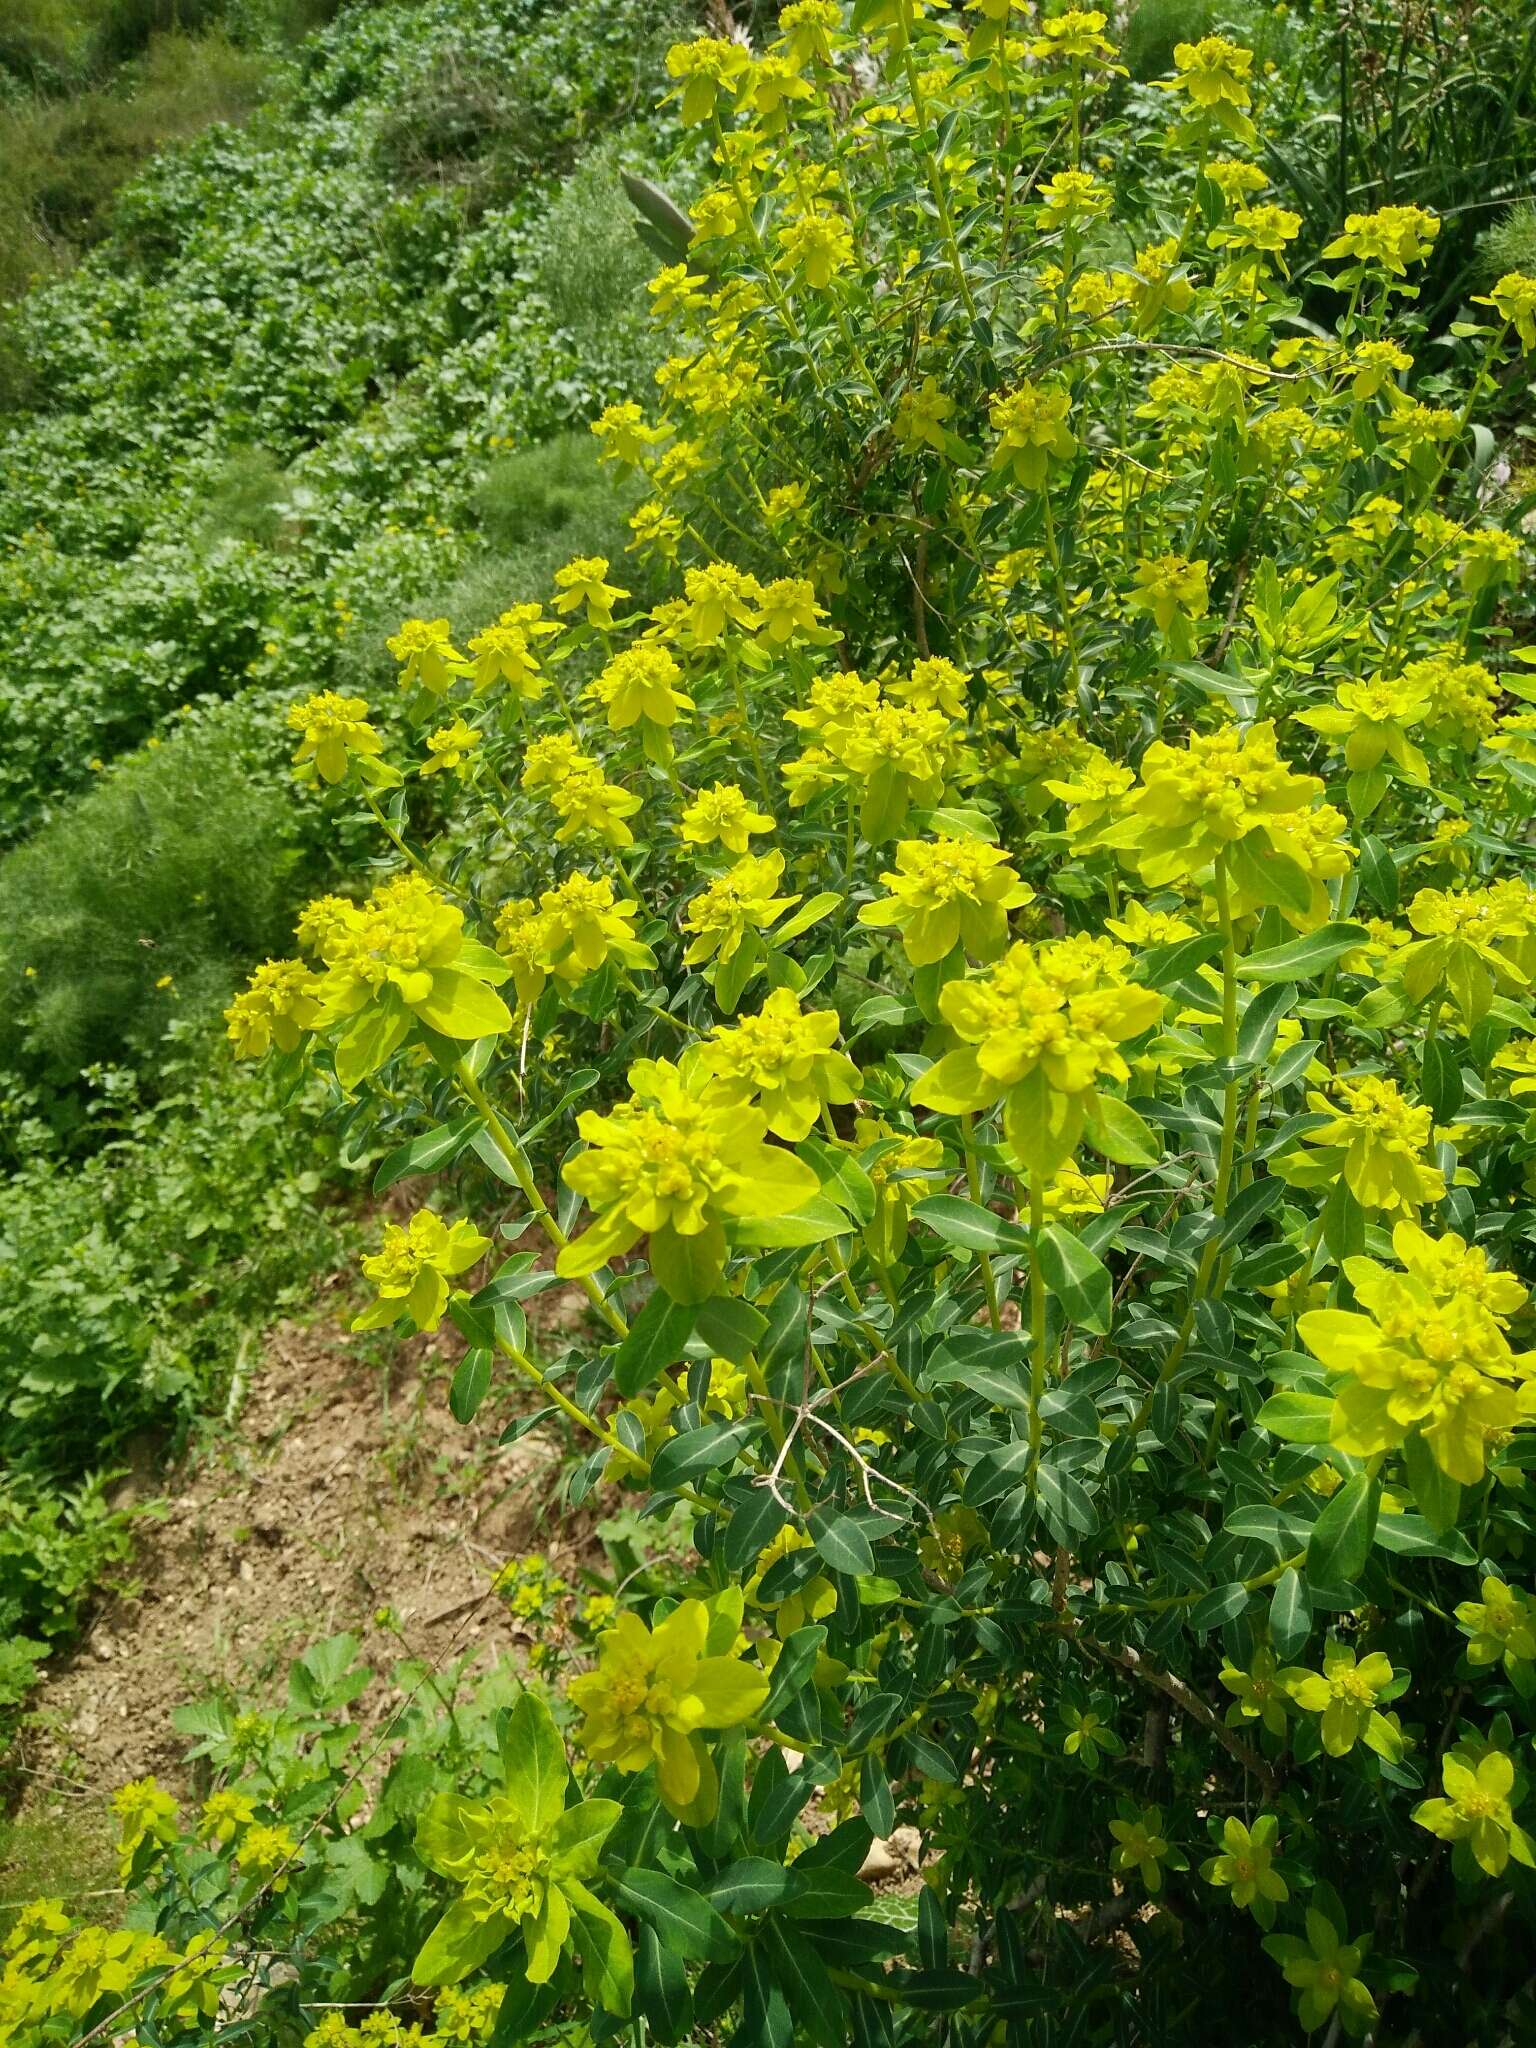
586 801
1452 1269
782 1060
741 900
721 596
1459 698
1345 1693
1409 1363
450 748
817 246
640 682
1215 76
921 414
330 727
948 892
225 1813
1501 1627
145 1813
1513 298
406 949
1075 38
1377 1140
1197 800
807 28
1389 239
425 651
549 760
277 1008
790 611
581 926
412 1269
1068 198
1234 179
624 435
724 815
674 1163
675 291
267 1854
503 655
934 685
1171 586
1031 425
1377 366
705 69
657 532
657 1691
581 582
1040 1030
1246 1864
1477 1810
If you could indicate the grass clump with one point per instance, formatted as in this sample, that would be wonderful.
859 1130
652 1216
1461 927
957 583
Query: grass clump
143 900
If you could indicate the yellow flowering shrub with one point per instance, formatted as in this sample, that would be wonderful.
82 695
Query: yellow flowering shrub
1005 975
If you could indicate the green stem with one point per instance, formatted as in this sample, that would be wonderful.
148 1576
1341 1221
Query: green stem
973 1182
1036 1323
517 1160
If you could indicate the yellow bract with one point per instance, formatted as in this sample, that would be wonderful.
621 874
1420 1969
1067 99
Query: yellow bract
657 1691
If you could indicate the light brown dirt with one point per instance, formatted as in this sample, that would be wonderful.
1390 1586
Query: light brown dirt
342 1486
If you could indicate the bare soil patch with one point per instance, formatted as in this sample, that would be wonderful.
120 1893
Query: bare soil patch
344 1486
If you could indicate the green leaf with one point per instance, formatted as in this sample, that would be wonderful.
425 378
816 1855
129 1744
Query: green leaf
1270 877
824 1894
1119 1134
813 1222
1079 1281
968 1224
424 1154
1440 1081
1298 1418
809 1991
533 1766
1261 1021
1378 874
732 1329
687 1922
809 913
661 1987
1290 1614
471 1383
709 1449
459 1943
655 1342
732 976
750 1885
1221 1605
841 1542
608 1963
1302 959
1065 1503
1438 1496
792 1667
1343 1532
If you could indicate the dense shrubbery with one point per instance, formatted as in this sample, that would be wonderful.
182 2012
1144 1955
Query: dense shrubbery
298 388
1020 963
130 1281
1027 945
283 303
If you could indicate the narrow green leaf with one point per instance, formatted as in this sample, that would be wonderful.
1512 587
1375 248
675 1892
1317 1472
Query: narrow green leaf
655 1342
1343 1532
471 1383
1078 1279
968 1224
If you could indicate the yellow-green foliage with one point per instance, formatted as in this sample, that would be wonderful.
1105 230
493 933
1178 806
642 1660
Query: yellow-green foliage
1018 969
